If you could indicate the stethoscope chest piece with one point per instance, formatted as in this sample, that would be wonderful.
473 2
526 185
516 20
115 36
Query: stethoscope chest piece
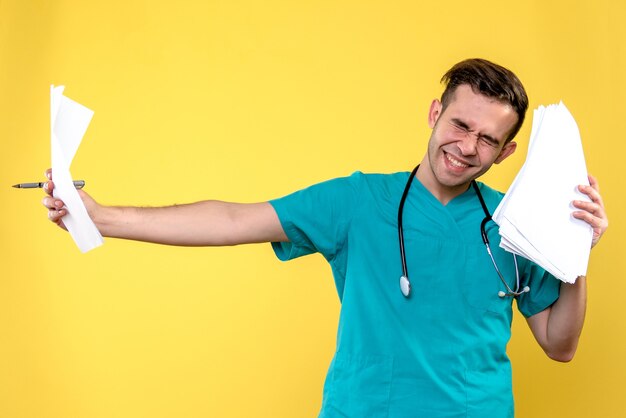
405 286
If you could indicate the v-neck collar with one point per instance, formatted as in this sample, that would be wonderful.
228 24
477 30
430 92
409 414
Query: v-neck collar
421 190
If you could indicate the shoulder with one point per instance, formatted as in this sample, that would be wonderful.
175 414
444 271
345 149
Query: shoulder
353 190
492 196
382 188
387 182
379 184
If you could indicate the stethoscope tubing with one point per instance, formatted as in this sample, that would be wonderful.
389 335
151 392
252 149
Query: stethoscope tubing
405 284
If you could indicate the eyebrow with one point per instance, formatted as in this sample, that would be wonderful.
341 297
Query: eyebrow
465 126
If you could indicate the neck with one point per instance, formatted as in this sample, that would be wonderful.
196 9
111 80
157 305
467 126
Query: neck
442 192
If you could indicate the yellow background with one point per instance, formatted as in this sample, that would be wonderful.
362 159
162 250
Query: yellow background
246 101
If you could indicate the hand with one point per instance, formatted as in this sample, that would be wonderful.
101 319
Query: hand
592 212
56 207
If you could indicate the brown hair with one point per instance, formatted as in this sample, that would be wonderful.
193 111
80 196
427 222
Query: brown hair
491 80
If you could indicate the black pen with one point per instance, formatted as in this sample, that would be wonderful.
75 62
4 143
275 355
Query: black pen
79 184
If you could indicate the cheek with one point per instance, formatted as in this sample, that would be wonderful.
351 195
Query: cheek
488 156
445 138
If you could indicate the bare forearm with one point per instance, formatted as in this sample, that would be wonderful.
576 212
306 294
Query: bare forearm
206 223
558 328
568 316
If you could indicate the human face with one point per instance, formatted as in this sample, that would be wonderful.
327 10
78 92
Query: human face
467 138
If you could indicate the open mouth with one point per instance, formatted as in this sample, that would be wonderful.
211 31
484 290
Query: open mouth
454 162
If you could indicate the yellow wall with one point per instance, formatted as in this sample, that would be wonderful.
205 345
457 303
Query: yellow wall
245 101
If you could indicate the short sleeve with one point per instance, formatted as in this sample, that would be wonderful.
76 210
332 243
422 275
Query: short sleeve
316 219
544 291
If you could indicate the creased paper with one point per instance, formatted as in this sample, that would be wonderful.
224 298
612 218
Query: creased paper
68 122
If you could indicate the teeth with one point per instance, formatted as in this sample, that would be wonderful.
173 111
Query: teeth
455 162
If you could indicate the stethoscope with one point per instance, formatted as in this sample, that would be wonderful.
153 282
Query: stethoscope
405 284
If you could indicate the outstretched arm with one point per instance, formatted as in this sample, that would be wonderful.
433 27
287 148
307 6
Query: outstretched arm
557 328
206 223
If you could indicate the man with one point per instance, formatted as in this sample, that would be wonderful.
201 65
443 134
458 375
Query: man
434 343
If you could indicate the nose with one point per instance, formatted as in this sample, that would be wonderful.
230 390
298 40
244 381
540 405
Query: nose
468 144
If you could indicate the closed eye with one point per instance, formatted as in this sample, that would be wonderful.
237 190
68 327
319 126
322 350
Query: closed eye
489 140
460 125
463 127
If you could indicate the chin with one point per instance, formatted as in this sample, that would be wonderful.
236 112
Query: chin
455 179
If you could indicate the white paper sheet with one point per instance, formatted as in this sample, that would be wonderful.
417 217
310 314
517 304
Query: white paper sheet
68 122
535 216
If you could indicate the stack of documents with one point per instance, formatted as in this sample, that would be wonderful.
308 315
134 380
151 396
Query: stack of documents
535 216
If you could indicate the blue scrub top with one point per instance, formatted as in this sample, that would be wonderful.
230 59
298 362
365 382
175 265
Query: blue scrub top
442 351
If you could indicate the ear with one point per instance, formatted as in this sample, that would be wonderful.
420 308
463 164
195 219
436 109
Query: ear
434 113
508 149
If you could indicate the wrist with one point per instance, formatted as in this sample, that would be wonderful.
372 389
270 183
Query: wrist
106 219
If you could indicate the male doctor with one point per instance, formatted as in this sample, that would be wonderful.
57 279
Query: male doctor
432 344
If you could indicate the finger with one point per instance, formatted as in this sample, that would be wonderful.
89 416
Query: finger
592 193
593 214
52 203
594 221
56 215
590 207
599 224
593 182
48 187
